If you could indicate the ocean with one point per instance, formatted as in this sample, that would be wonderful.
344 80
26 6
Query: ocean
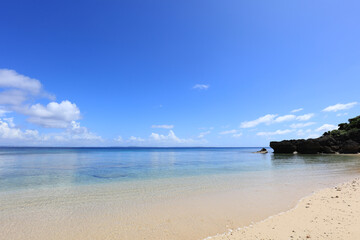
153 193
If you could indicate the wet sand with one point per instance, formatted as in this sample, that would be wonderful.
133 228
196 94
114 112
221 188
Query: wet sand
332 213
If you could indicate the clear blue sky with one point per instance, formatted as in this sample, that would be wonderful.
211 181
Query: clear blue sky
176 73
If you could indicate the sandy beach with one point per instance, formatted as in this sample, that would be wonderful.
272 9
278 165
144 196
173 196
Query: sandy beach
332 213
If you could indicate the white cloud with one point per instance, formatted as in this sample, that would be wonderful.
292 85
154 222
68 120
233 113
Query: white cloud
285 118
12 97
10 121
8 131
75 131
339 107
203 134
170 137
236 135
301 125
136 139
305 117
156 139
228 132
264 119
163 126
277 132
297 110
18 88
118 139
201 86
53 115
274 118
16 91
11 79
326 127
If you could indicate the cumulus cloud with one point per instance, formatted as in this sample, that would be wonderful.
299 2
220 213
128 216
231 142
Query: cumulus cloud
297 110
277 132
163 126
326 127
12 97
53 115
10 121
11 79
8 131
201 86
16 93
339 107
17 88
75 131
301 125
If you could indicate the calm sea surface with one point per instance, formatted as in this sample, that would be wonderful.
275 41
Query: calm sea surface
27 168
153 193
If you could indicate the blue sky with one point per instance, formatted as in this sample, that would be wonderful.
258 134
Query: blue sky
176 73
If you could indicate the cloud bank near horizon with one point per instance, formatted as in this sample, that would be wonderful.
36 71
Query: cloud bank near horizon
58 123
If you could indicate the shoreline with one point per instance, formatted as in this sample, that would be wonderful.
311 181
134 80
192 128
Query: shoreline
336 207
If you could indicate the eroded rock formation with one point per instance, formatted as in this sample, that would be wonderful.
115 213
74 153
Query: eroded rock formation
344 140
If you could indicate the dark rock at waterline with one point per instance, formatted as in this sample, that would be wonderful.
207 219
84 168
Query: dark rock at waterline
350 146
263 150
286 146
346 139
310 146
329 150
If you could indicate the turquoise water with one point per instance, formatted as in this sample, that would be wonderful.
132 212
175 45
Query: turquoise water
31 168
153 193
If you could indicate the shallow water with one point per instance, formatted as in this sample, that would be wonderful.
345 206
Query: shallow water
152 193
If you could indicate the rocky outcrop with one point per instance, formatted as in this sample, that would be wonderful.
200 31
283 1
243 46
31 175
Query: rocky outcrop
310 146
263 150
350 146
344 140
286 146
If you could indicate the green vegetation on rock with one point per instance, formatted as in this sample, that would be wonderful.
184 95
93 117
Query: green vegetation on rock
346 139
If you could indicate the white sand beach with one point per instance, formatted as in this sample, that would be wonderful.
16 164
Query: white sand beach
332 213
